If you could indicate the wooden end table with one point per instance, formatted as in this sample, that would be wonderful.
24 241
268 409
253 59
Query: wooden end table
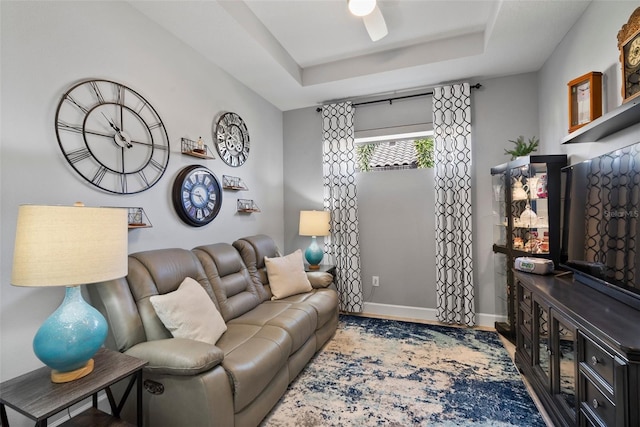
36 397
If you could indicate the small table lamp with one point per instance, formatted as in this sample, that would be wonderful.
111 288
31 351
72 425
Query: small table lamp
69 246
314 223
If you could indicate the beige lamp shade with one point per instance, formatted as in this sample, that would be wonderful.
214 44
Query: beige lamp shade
69 245
314 223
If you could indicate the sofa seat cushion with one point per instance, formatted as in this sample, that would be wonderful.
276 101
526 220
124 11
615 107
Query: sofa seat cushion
299 321
324 302
253 355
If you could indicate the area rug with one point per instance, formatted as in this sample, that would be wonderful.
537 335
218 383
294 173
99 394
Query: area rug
378 372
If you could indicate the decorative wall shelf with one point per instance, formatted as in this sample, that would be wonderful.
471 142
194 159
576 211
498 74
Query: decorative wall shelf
196 149
247 206
138 218
622 117
233 183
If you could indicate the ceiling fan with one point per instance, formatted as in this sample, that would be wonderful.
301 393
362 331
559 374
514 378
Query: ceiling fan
371 16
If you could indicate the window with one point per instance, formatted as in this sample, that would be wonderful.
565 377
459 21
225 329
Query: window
393 152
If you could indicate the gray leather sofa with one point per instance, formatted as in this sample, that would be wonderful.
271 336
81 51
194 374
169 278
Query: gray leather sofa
237 381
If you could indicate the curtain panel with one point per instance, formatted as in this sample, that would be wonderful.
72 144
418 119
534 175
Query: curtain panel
454 257
339 167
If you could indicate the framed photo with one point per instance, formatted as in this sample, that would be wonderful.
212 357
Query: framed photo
585 100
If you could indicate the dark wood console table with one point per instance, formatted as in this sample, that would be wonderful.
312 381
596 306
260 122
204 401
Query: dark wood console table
36 397
580 350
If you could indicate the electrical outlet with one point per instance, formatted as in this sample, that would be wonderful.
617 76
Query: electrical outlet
375 281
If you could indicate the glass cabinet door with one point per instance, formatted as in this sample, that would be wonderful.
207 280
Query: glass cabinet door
530 208
541 344
564 366
499 208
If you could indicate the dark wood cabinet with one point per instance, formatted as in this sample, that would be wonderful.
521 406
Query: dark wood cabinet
527 201
580 350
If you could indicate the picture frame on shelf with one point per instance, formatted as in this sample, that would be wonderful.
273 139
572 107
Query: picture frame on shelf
585 99
629 47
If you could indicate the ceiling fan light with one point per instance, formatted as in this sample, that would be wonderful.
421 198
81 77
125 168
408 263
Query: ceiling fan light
361 7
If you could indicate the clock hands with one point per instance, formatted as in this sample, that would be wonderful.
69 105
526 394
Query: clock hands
123 139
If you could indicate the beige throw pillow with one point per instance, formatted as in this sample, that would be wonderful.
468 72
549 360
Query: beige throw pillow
188 312
286 275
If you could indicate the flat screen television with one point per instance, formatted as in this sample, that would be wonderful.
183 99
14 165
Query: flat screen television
601 223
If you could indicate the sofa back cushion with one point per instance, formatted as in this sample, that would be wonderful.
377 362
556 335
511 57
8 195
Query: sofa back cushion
253 249
114 300
159 272
232 286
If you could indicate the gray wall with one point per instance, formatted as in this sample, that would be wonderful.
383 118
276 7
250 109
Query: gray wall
591 45
47 46
396 208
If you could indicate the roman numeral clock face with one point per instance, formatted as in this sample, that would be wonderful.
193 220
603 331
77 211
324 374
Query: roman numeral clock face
196 195
232 139
112 136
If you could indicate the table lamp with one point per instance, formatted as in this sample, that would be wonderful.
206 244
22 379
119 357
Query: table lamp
314 223
69 246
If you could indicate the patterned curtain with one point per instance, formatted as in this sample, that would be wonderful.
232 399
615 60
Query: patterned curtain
454 258
339 167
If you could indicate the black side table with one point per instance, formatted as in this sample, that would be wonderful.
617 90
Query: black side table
36 397
324 268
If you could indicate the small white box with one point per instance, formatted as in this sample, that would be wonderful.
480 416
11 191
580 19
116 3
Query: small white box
534 265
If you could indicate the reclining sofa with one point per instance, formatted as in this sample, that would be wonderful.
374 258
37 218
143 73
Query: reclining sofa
237 381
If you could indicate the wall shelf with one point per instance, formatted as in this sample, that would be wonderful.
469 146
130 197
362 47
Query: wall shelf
233 183
138 218
190 147
247 206
626 115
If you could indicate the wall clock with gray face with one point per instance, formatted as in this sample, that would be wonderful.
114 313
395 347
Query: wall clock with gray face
112 136
231 137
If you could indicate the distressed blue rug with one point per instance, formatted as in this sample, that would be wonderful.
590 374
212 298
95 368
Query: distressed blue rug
378 372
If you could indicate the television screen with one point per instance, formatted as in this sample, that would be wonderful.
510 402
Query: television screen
601 230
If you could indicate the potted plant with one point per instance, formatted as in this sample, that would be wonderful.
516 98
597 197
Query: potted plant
522 148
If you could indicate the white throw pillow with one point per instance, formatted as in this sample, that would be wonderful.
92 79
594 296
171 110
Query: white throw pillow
286 275
188 312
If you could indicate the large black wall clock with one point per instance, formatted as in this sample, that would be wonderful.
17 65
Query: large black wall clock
112 136
232 139
196 195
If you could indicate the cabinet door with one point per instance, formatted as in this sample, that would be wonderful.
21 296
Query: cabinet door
564 372
542 343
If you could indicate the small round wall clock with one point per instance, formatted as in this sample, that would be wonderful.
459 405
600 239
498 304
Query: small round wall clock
232 139
196 195
112 137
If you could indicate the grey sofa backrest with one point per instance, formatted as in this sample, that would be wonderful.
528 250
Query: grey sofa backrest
232 286
125 302
253 249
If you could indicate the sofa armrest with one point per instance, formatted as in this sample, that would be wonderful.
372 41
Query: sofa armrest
319 279
177 356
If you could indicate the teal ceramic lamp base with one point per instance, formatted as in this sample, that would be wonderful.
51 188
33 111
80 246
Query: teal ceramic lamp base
314 254
70 337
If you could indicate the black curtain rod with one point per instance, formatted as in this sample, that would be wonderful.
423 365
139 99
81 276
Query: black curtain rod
390 100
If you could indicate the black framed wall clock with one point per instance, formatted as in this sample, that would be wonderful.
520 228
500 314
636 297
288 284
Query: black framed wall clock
112 136
196 195
629 46
231 137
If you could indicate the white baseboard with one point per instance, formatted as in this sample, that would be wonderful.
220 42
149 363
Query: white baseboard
419 313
